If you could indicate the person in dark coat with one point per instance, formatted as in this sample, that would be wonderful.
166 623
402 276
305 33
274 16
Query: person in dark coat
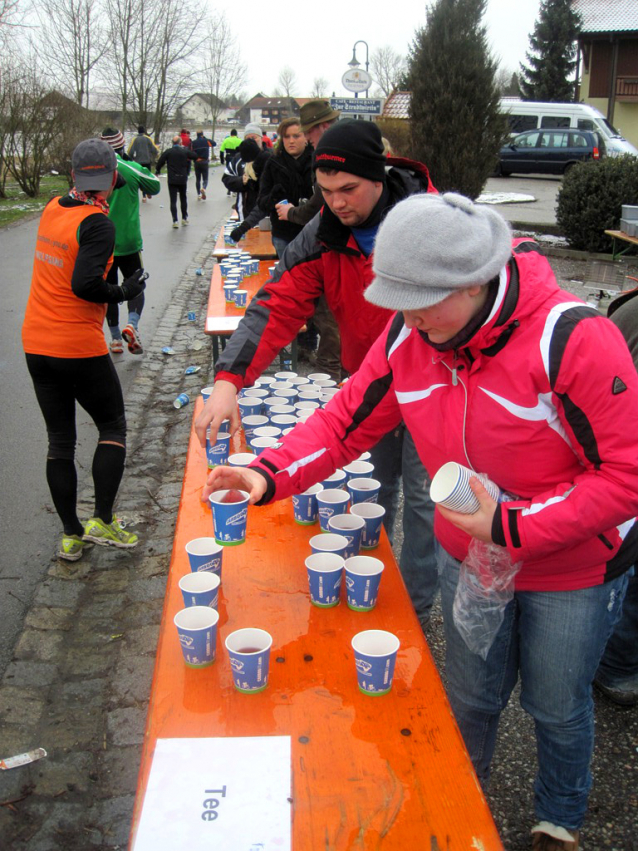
178 165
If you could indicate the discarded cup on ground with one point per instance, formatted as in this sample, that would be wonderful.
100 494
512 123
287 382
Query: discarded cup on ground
249 654
197 631
230 513
328 542
305 507
372 515
205 555
358 470
451 487
217 453
375 655
351 528
363 490
181 400
363 577
200 589
331 501
325 572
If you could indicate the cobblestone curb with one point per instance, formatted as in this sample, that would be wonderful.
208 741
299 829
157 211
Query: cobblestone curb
80 677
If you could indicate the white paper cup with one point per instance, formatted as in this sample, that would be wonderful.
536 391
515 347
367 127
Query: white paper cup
331 501
319 376
241 459
451 487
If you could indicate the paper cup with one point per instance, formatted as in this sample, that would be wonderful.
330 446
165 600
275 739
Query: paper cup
363 576
286 376
267 431
351 528
451 487
328 543
309 395
197 631
375 655
258 444
241 298
217 453
205 555
283 421
287 394
372 516
200 589
336 480
206 393
304 506
229 293
331 501
365 456
358 470
249 654
250 423
325 572
280 411
258 392
241 459
318 376
265 380
324 382
229 518
281 384
307 405
299 381
363 490
302 416
249 406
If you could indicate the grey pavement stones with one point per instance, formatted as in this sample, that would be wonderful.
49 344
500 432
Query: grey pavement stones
79 681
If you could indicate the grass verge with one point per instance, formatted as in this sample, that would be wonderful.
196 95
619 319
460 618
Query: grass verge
17 205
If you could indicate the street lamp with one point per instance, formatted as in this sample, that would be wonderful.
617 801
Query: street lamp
354 63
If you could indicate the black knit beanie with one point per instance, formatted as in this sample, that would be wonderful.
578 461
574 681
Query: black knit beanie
248 150
352 146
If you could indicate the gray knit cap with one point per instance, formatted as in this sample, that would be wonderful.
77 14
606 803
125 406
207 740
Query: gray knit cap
430 246
253 128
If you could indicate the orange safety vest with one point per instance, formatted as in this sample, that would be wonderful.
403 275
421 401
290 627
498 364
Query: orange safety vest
57 323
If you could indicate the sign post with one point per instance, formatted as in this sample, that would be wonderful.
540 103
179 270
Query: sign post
358 106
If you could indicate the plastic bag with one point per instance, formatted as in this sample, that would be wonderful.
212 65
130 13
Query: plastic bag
486 586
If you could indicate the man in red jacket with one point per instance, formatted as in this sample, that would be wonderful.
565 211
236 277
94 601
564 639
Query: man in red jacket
332 256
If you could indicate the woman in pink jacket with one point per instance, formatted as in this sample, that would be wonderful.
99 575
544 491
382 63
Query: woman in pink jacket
491 365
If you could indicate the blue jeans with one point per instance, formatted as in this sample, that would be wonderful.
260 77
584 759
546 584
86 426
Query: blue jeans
395 458
619 665
554 640
280 245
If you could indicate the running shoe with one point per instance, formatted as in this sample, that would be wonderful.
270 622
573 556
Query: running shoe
72 547
203 194
109 534
116 346
175 224
133 341
184 221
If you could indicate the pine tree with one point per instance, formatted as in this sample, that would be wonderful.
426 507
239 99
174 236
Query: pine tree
457 128
548 76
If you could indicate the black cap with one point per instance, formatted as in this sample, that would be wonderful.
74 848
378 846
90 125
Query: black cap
352 146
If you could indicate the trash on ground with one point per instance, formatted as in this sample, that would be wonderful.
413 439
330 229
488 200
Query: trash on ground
168 350
191 370
22 759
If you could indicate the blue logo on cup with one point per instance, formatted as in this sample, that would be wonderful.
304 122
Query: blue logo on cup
249 656
375 652
197 632
229 518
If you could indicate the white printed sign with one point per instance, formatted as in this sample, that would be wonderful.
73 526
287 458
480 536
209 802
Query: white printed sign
227 794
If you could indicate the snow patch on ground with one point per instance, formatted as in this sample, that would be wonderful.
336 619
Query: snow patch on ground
504 198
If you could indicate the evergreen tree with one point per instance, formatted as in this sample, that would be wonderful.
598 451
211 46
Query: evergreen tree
457 128
548 76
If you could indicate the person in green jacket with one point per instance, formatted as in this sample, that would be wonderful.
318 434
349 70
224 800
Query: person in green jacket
228 147
124 212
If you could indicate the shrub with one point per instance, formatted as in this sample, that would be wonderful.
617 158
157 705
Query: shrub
590 200
397 132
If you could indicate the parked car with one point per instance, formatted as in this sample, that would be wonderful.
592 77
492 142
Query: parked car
551 151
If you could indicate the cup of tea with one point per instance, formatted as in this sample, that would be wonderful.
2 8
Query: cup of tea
230 513
351 528
372 515
197 631
375 655
305 507
205 555
249 654
363 577
200 589
325 572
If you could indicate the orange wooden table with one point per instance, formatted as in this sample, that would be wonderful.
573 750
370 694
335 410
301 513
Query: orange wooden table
388 773
257 242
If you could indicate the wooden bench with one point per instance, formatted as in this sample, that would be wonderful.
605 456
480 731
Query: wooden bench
388 773
622 237
257 242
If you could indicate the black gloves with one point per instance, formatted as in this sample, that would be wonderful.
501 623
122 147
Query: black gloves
134 285
237 233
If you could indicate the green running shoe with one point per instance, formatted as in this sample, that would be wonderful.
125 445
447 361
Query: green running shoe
109 534
72 547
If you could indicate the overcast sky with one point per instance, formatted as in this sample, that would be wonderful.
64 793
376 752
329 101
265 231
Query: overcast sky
316 39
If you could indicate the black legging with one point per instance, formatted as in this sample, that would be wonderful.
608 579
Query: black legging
92 382
173 191
127 264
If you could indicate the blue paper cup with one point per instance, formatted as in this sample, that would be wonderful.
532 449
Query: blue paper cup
241 459
304 506
258 444
249 406
241 298
299 381
200 589
325 572
229 518
283 421
363 490
351 528
372 515
206 392
267 431
250 423
249 654
205 555
280 411
358 470
375 655
288 395
363 576
270 402
281 384
217 453
265 381
307 405
365 456
286 375
328 542
318 376
331 501
258 392
197 631
336 480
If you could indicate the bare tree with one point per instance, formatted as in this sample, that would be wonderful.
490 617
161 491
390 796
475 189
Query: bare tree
387 67
319 87
287 81
221 71
73 42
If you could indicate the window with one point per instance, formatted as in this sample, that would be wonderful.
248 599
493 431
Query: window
585 124
527 140
555 121
578 140
519 123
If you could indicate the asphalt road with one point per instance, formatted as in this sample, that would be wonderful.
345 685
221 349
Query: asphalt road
28 525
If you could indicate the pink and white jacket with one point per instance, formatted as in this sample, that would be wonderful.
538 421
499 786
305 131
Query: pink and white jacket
543 399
